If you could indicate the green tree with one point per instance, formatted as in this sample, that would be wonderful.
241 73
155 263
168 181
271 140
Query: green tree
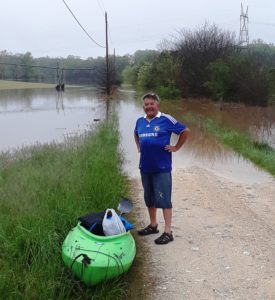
28 61
219 77
129 74
196 50
142 56
145 76
249 79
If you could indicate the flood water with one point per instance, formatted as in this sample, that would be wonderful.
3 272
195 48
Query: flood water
31 116
201 150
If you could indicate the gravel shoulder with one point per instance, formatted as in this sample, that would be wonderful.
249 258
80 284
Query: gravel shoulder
224 245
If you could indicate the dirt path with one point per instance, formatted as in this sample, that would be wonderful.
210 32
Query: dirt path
224 244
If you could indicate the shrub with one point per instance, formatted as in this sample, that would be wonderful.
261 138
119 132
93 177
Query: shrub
169 92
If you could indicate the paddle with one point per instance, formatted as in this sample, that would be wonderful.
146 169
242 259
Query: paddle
125 206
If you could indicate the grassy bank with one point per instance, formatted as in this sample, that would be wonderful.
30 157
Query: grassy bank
13 85
42 193
259 153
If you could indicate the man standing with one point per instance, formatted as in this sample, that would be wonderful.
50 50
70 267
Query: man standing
152 137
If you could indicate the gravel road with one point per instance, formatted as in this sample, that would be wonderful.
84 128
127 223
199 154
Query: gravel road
224 245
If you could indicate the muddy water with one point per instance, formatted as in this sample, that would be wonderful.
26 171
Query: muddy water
30 116
259 122
201 149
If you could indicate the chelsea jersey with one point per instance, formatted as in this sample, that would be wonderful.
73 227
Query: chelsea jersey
153 136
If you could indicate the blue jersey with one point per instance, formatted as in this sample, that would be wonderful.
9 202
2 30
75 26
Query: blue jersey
153 136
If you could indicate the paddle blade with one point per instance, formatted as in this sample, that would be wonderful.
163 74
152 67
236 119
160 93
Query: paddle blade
125 206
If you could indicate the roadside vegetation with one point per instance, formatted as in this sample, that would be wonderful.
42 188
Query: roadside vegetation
257 152
43 191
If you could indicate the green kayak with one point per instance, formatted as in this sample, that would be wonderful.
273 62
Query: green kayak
94 258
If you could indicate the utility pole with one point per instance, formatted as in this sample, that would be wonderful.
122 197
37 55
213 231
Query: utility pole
57 87
107 58
243 37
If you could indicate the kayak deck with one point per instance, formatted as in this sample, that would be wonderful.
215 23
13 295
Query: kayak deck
93 258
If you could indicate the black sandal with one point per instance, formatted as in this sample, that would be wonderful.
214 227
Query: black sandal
165 238
148 230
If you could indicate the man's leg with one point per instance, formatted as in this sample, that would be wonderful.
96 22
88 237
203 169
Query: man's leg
163 190
153 216
167 214
149 197
150 203
167 235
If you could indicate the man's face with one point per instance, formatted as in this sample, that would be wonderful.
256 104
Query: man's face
151 107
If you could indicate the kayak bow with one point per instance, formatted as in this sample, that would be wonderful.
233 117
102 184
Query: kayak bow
94 258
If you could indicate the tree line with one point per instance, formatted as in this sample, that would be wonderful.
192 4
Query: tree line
92 71
207 62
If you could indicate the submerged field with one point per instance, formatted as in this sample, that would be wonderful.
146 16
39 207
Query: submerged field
11 85
43 191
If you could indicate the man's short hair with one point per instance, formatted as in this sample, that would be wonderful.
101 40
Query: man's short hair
152 96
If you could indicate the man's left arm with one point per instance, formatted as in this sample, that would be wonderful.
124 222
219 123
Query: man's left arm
181 140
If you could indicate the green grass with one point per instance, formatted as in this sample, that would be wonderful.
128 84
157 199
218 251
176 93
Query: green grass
259 153
43 190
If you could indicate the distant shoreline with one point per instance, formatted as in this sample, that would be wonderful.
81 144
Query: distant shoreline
13 85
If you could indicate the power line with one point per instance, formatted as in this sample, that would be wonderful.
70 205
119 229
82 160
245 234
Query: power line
263 23
101 5
82 26
44 67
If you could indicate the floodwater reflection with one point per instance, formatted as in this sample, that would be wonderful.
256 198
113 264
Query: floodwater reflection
31 116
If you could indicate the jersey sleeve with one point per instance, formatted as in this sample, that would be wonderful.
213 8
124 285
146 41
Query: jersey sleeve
136 127
174 126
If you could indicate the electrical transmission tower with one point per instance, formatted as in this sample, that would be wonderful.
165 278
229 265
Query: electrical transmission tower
243 37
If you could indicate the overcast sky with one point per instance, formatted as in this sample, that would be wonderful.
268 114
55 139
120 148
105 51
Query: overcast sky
46 27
